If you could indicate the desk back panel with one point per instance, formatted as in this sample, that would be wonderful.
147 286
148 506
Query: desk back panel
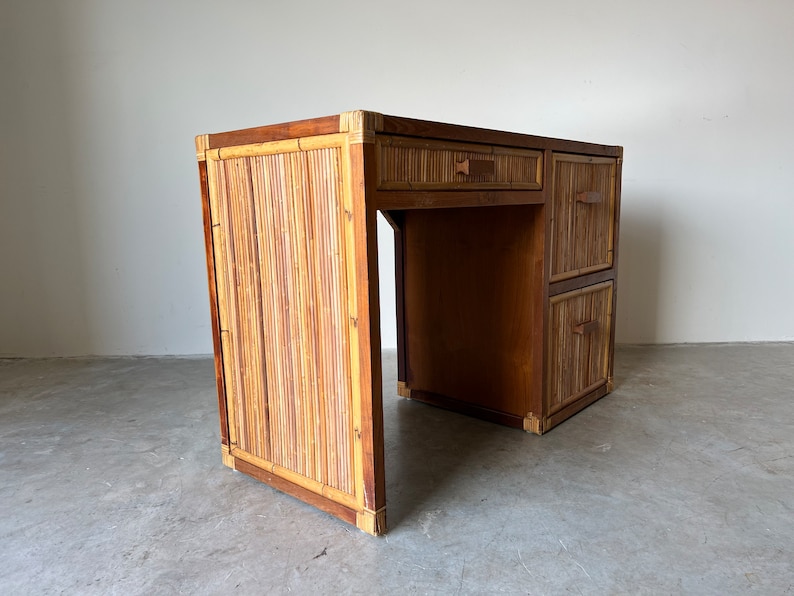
471 299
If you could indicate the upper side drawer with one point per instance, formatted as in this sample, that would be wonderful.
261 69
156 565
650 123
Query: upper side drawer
406 163
582 214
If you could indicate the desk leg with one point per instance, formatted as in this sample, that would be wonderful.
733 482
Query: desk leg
396 219
369 433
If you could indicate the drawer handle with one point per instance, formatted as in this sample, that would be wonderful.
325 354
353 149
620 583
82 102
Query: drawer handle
475 167
588 197
586 328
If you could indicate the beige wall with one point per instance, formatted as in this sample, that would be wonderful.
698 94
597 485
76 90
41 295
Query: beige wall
100 227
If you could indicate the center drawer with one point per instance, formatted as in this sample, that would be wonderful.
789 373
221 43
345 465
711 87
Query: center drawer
406 163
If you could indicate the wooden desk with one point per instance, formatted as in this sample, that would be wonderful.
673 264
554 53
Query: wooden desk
506 255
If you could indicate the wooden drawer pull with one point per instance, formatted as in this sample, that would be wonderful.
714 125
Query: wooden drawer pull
588 197
586 328
475 167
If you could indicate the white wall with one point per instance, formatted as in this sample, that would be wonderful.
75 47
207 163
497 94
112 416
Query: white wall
100 226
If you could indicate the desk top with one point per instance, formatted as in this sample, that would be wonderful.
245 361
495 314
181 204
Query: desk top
374 123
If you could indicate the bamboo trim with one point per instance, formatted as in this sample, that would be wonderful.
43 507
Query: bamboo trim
343 513
255 149
575 397
517 152
213 189
576 158
310 484
277 147
353 314
395 142
609 339
321 142
613 207
579 272
454 146
574 407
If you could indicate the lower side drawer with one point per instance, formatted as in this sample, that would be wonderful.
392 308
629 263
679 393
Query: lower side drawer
580 326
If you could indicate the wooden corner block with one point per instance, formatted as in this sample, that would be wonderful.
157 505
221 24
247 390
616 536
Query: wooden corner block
226 457
533 424
360 121
610 384
403 390
202 144
372 522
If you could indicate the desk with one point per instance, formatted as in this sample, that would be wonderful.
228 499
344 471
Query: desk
506 259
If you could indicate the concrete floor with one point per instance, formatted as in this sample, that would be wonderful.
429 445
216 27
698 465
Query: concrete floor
681 481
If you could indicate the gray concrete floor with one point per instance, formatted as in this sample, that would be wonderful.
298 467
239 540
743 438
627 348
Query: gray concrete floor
681 481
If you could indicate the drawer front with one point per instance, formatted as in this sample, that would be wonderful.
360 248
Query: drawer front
406 163
580 326
582 215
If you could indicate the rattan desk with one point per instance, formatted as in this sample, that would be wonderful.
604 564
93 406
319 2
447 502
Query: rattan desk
506 257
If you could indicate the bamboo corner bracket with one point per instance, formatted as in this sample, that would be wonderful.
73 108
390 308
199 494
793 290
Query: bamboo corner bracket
506 263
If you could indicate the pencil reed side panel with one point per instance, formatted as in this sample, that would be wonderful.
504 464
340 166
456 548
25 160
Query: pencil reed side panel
281 244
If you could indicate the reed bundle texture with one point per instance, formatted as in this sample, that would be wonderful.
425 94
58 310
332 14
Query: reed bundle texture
582 214
417 164
282 293
579 341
